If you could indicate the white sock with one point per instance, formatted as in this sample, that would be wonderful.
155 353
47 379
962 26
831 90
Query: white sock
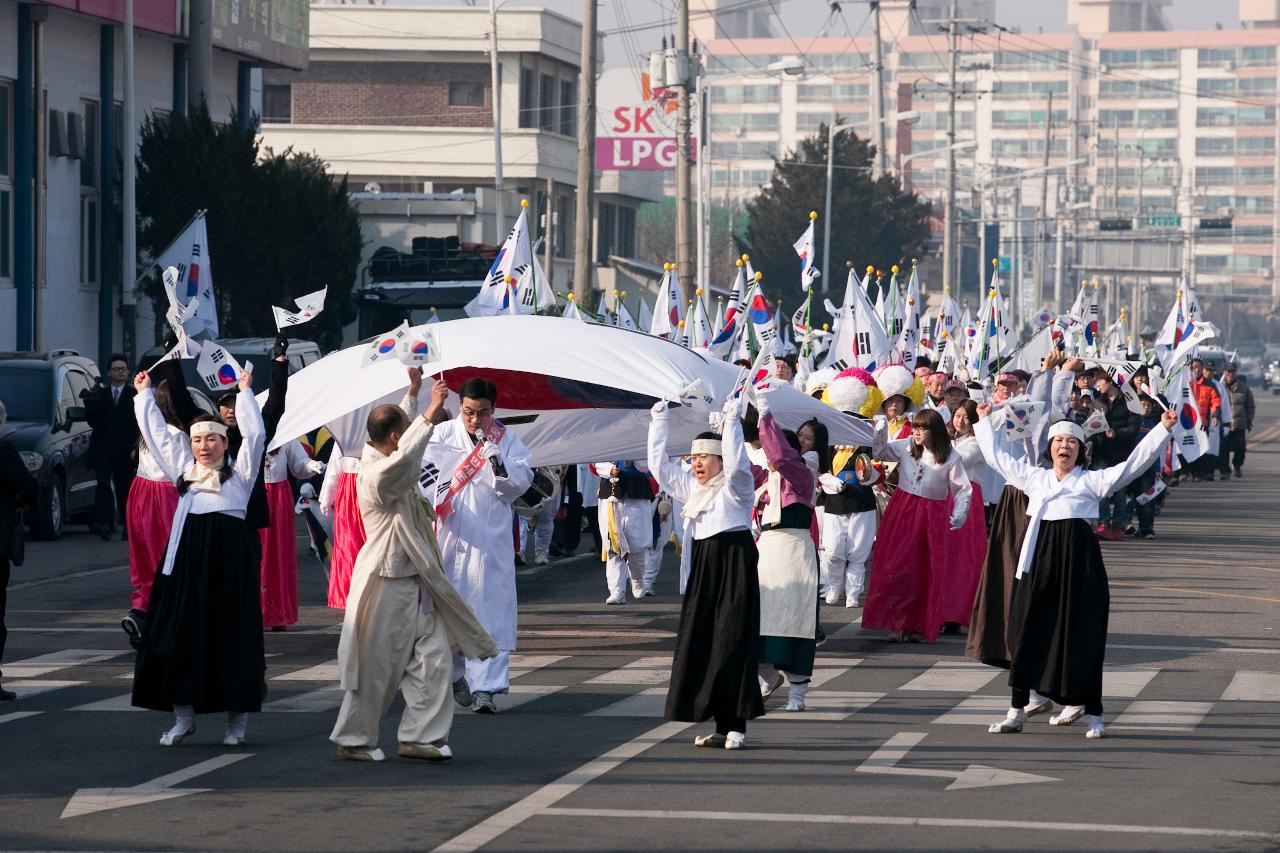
1036 699
237 722
798 690
184 719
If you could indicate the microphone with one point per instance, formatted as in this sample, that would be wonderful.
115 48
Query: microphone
499 469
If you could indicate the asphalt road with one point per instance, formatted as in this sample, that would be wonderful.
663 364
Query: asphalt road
892 754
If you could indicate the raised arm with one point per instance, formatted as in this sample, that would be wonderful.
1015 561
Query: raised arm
170 451
672 480
1110 480
784 458
273 411
737 467
184 405
1016 471
253 436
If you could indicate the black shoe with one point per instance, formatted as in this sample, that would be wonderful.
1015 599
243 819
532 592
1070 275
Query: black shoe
7 695
519 560
101 531
1239 473
1147 535
132 624
124 534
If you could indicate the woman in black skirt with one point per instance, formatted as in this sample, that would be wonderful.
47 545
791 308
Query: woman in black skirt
202 651
714 671
1061 600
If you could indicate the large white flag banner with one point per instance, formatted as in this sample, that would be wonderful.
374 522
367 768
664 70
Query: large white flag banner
804 248
217 367
188 254
308 307
497 294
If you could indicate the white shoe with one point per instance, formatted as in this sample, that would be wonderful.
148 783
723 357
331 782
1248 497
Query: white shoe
714 740
233 740
1011 724
1034 708
541 560
794 705
833 597
1067 715
177 735
616 599
851 601
1095 728
637 591
484 703
648 591
767 686
361 753
735 740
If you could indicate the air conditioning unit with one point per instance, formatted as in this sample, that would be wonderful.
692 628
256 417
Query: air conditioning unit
77 145
57 133
373 187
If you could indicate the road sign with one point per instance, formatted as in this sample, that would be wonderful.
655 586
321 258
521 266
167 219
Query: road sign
1164 220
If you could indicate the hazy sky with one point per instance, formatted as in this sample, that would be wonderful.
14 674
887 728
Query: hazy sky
805 17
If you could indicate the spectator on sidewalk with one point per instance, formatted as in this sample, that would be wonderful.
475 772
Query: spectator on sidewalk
1234 438
1205 392
17 489
109 410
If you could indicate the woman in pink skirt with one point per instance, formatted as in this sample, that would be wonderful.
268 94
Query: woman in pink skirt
909 562
279 571
968 545
338 501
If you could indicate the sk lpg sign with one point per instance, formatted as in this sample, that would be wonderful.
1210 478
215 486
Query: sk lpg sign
646 153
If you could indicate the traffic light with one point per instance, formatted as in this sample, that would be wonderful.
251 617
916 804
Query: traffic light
1219 222
1115 224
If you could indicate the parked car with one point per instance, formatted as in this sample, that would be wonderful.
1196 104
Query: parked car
1271 377
48 428
256 350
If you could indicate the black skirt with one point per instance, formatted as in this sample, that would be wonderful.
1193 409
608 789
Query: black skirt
714 671
1058 618
988 626
202 644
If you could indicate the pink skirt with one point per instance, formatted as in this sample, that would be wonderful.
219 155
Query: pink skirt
967 551
148 514
348 539
279 575
909 564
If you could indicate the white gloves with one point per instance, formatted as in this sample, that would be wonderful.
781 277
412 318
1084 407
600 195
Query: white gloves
956 523
659 409
325 509
316 467
491 451
830 484
762 401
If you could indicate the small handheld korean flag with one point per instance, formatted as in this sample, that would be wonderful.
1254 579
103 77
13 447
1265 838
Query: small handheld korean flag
1017 417
385 346
1095 424
1152 493
419 347
804 249
696 396
185 348
216 367
308 307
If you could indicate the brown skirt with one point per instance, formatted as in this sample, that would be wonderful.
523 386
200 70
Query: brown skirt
988 626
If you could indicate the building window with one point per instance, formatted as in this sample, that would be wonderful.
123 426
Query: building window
568 108
606 216
92 147
546 102
563 219
465 94
89 238
528 97
6 180
277 102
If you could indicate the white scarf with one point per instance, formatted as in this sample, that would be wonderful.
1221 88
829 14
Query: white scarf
201 478
702 496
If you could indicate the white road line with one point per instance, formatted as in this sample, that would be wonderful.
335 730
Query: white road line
548 795
312 701
16 587
123 702
1200 649
1249 686
54 661
975 711
1126 682
18 715
525 664
849 631
319 672
952 677
1162 716
829 706
26 689
650 702
886 820
521 694
649 670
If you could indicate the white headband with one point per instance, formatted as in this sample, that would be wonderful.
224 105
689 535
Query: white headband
201 427
1065 427
710 446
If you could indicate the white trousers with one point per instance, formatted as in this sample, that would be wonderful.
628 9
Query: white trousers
846 548
543 526
490 676
633 520
400 648
653 557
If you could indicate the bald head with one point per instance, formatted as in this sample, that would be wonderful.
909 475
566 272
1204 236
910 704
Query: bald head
385 425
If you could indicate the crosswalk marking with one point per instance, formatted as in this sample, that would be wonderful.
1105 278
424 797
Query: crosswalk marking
849 631
829 705
1163 716
1126 682
54 661
18 715
324 699
525 664
649 670
123 702
650 702
824 706
26 689
953 677
1249 686
523 693
975 711
319 672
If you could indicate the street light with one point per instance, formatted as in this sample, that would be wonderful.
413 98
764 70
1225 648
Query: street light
904 117
792 66
964 145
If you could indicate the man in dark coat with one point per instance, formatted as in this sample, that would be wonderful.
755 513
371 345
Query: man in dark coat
109 410
1242 408
17 489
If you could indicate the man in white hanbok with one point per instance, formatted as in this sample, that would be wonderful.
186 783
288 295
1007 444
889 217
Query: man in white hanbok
473 485
402 614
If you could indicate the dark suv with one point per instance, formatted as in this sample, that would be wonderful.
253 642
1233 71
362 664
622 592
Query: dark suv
47 426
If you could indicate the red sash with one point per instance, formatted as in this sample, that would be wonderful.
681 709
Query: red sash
468 468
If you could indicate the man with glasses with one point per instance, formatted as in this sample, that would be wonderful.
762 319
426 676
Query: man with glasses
473 471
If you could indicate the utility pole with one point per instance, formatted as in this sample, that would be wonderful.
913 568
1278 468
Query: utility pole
495 82
1038 225
582 278
199 54
881 165
949 213
684 229
129 208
